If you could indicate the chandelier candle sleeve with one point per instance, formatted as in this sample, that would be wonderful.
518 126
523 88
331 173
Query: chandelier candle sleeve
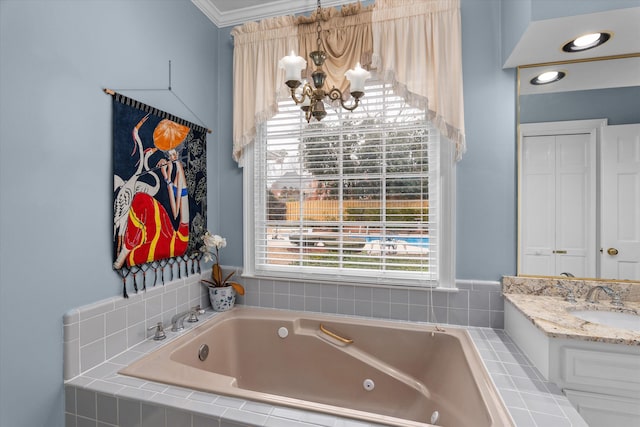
293 66
357 78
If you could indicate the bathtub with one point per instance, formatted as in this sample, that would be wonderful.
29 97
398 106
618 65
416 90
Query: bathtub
398 374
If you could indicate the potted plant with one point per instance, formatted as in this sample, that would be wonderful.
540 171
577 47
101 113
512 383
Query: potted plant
222 291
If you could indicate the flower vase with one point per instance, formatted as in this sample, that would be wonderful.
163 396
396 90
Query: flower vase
222 299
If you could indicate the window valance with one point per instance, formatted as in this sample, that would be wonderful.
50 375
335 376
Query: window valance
415 44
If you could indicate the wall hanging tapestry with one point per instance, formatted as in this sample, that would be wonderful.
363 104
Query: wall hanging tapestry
159 192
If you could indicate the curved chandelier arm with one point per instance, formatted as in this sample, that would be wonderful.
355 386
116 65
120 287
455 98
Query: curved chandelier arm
307 92
335 94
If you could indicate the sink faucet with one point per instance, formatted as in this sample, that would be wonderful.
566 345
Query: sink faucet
177 321
593 292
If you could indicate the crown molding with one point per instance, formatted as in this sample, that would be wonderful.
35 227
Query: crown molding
264 10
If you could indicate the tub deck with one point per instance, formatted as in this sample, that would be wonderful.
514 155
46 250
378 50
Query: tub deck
415 369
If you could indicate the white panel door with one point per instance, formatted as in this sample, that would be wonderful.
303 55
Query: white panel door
620 202
575 205
558 205
538 205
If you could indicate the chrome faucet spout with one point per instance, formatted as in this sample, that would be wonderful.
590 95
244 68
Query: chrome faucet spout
593 293
177 321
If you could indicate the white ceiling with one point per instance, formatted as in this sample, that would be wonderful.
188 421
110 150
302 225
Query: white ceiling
540 44
543 40
225 13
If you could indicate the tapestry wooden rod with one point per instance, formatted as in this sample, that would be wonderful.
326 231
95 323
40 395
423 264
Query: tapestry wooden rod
156 111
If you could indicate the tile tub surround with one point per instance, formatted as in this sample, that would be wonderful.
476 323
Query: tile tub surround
101 396
472 303
542 302
97 332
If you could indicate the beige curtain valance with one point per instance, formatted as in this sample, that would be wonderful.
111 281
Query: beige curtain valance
346 38
415 44
257 81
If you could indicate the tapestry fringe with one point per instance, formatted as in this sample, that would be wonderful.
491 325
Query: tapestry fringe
187 265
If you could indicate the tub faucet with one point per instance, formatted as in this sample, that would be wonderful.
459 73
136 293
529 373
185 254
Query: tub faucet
177 321
593 292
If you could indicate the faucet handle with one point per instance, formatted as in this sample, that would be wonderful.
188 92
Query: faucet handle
159 335
570 297
193 315
616 300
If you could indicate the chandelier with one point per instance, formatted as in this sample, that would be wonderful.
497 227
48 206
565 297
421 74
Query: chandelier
311 98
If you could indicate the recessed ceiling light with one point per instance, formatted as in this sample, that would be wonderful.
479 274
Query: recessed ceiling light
547 77
587 41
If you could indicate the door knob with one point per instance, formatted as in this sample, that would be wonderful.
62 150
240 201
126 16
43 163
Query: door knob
612 251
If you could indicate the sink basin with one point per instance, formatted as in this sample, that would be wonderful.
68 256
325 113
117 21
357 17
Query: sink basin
610 318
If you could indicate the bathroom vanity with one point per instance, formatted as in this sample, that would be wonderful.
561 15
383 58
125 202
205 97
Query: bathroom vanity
595 363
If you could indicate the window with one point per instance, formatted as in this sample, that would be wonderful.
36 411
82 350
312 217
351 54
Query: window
355 197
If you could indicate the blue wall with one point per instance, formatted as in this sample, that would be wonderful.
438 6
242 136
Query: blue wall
55 164
619 105
486 183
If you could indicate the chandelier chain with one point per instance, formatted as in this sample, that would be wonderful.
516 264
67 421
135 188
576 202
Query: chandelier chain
318 27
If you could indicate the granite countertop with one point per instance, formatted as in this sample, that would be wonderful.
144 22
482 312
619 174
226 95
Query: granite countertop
542 302
552 316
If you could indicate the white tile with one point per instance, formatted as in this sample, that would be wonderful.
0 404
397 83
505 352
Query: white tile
135 393
86 403
71 366
92 355
153 306
106 387
71 332
71 316
92 329
116 320
104 370
173 401
136 334
135 313
116 344
211 410
129 412
244 417
107 409
96 309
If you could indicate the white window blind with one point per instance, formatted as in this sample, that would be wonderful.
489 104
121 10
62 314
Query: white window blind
353 197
